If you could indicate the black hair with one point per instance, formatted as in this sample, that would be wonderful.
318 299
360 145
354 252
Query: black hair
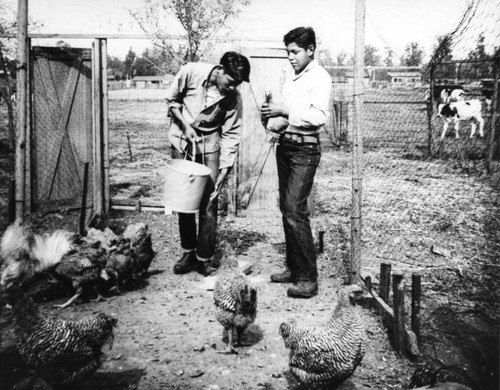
302 36
236 65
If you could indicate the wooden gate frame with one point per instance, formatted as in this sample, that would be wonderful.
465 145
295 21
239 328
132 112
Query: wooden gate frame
100 132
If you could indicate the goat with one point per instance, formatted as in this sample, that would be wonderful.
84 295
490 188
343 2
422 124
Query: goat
461 110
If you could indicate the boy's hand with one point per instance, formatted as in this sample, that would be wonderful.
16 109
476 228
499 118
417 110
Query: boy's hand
218 184
271 110
191 135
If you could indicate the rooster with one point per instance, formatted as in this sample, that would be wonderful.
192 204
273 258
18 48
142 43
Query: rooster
235 300
25 253
327 355
61 352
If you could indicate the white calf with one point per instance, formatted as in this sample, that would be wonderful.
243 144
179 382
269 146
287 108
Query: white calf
461 110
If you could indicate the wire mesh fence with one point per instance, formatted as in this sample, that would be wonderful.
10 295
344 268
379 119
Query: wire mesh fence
61 141
431 198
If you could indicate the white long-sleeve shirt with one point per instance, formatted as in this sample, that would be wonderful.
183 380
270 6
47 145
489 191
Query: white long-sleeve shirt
308 96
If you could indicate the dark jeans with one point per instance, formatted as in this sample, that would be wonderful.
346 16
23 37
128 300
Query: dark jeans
297 165
207 229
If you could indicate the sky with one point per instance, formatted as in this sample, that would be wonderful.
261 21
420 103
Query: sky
393 23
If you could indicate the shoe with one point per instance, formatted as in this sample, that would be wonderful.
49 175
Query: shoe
283 277
187 263
303 289
206 268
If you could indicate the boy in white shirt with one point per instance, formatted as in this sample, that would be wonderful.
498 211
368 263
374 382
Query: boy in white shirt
306 99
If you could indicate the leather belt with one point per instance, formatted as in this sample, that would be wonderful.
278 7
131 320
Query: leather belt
301 139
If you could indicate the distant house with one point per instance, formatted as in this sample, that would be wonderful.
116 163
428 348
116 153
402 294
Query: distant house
114 74
152 81
345 74
405 78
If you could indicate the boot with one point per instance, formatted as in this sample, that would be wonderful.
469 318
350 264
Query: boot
187 263
207 268
303 289
283 277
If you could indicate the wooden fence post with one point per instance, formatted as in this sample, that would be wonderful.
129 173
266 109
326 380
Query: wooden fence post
84 198
12 201
399 313
357 142
416 292
385 281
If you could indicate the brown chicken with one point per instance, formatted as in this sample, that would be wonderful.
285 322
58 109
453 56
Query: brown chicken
141 246
61 352
84 270
121 266
235 300
131 257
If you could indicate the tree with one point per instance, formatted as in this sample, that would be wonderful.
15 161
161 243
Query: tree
479 53
325 57
413 55
201 21
129 63
389 57
341 56
371 57
443 49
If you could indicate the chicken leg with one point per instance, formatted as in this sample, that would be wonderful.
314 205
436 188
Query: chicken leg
230 349
79 292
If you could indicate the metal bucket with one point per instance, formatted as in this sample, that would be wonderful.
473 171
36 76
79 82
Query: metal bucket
184 185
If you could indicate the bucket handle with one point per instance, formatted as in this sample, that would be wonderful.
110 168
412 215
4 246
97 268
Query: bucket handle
193 155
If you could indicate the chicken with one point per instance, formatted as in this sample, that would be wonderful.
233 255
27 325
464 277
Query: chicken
235 300
141 246
445 386
327 355
61 352
25 253
121 266
84 270
106 237
433 373
131 256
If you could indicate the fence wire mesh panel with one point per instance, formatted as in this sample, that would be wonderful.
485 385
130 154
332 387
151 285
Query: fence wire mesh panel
431 200
62 127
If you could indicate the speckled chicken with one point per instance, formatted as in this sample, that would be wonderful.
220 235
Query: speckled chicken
327 355
61 352
435 372
235 300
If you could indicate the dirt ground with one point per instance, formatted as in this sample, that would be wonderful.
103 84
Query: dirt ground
168 337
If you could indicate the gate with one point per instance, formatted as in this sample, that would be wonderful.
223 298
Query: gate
66 129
